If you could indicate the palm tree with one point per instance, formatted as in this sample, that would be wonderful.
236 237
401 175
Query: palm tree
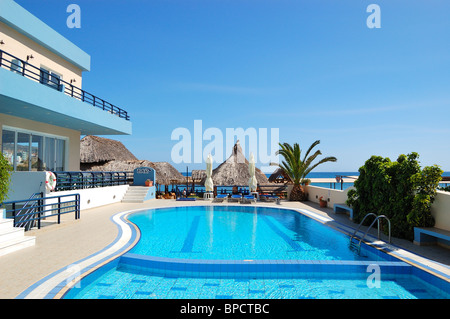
297 169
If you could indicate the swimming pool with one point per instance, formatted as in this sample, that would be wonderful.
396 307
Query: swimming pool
239 233
250 252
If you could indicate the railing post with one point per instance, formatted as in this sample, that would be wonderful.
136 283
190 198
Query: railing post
77 208
39 212
23 67
59 210
14 213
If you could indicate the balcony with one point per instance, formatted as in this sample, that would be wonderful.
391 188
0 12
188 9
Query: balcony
23 68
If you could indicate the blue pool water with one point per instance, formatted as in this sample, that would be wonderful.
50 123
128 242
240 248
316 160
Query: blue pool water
239 252
239 233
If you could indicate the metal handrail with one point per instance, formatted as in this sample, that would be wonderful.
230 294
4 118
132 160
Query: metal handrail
30 71
23 219
89 179
377 219
42 206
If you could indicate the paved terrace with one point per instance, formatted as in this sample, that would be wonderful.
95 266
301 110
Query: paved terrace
58 246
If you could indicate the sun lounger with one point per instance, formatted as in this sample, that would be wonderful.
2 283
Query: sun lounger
235 198
247 199
183 199
220 198
268 198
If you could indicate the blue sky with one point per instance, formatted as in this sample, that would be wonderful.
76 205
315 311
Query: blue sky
313 69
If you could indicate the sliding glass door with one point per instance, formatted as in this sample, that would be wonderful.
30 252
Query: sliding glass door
29 151
37 153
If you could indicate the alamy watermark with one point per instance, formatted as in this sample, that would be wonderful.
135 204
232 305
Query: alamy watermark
74 19
374 279
374 19
190 147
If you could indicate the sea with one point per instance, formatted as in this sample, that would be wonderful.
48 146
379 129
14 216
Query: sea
328 175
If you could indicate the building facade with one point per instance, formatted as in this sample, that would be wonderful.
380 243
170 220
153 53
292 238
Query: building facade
44 109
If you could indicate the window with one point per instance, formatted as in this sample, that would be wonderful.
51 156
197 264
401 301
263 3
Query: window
49 154
30 151
37 153
16 66
8 142
51 79
23 152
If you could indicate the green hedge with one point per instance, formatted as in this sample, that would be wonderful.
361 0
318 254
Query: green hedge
5 174
401 190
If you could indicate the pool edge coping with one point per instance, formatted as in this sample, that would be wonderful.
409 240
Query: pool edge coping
52 287
56 285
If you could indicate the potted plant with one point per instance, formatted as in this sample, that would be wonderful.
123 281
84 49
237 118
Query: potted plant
322 202
148 182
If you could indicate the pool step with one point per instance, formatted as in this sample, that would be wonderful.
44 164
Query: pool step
13 238
160 266
137 194
354 246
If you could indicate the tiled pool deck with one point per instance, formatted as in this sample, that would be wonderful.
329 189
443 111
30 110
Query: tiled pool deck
80 246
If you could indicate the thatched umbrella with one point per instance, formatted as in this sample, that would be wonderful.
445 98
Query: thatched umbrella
166 174
102 154
198 176
95 150
234 171
279 176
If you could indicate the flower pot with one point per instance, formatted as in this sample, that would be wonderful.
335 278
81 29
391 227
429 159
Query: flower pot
323 203
150 183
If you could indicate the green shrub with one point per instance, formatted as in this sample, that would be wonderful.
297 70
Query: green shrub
5 174
401 190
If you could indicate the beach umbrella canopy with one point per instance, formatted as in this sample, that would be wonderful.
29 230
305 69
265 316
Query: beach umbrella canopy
252 182
166 174
209 186
234 171
95 150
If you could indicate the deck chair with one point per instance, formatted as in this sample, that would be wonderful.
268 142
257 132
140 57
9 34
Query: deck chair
220 198
247 199
235 198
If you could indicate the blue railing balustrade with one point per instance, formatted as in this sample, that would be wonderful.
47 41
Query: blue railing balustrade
85 179
28 213
45 77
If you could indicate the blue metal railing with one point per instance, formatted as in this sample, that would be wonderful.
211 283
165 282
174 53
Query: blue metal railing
28 213
22 67
86 179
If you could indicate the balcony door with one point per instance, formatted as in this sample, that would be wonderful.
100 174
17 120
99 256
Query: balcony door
33 151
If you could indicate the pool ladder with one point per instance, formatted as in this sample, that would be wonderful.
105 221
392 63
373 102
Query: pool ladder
357 247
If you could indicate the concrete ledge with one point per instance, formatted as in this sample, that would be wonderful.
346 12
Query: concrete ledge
431 236
342 208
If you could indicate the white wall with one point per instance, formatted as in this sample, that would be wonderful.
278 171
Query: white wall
25 184
315 192
441 210
94 197
21 46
